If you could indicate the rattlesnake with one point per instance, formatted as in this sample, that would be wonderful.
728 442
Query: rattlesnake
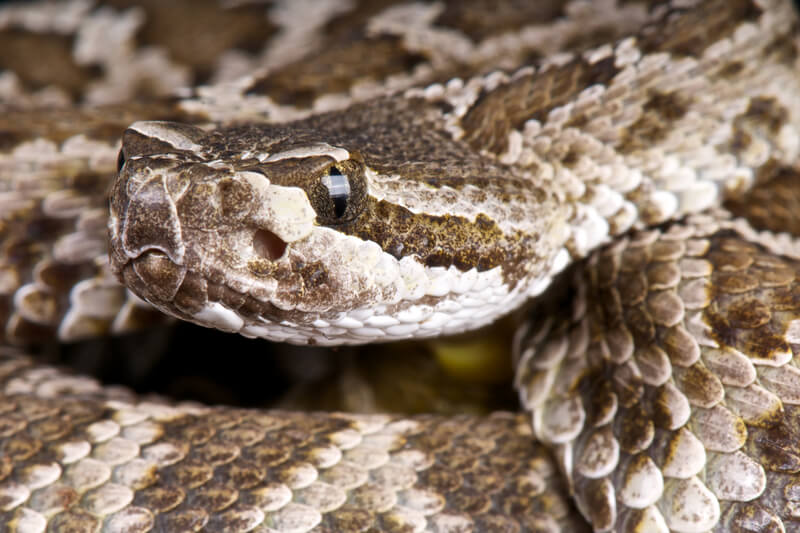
343 173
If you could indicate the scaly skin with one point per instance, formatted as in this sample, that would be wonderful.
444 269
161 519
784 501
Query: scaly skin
666 392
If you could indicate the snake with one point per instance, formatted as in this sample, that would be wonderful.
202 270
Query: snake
621 176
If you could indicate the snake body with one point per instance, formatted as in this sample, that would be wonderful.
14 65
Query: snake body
361 178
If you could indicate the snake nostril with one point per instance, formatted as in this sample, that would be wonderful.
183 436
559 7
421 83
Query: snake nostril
268 245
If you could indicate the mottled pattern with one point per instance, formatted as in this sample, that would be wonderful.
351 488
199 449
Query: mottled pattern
771 205
670 392
92 460
484 148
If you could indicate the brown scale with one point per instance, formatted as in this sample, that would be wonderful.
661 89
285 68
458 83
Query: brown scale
771 206
682 32
183 29
335 69
23 247
496 113
33 57
747 298
218 466
352 53
488 123
654 124
486 18
198 32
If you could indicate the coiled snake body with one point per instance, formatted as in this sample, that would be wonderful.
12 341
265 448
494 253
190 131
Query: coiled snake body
345 173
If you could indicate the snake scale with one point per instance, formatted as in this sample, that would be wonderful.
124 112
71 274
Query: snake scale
344 172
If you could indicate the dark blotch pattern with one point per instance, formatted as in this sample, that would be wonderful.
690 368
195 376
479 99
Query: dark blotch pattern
441 241
335 69
655 122
495 113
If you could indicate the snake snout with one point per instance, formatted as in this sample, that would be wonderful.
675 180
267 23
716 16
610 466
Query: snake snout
146 242
143 218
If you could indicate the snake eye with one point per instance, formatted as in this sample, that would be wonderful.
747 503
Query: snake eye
338 186
120 160
339 195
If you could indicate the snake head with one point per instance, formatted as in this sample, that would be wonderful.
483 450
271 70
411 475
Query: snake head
291 235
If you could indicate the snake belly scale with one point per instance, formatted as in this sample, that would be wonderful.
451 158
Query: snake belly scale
346 173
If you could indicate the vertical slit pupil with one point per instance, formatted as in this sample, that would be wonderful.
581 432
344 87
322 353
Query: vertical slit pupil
339 206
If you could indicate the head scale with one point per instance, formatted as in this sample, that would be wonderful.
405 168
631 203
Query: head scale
310 233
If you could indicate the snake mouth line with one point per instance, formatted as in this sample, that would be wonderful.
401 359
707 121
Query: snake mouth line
268 245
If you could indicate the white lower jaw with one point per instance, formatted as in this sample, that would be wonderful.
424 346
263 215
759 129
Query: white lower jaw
466 306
